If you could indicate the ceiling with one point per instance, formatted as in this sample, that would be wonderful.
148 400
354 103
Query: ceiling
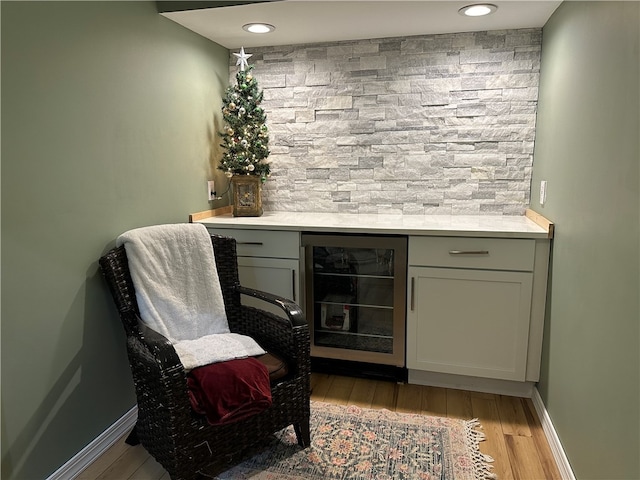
313 21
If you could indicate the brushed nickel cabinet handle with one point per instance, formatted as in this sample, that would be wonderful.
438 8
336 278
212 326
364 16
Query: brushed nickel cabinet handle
413 285
468 252
293 284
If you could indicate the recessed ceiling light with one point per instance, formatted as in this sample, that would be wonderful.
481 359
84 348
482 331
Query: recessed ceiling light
258 28
478 10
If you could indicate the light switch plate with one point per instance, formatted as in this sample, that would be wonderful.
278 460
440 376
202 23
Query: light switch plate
543 192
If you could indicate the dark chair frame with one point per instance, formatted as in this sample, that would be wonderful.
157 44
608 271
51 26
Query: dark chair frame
178 438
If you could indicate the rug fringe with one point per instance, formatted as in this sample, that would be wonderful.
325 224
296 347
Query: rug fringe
482 462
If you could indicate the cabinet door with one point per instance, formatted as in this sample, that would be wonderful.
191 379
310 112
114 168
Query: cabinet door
469 322
274 275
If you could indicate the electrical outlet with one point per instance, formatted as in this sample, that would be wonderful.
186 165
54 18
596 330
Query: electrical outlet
543 192
211 190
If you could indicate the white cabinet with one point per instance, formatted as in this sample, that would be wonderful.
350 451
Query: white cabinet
474 293
268 260
469 306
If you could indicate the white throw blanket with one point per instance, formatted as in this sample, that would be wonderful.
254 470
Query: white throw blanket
178 292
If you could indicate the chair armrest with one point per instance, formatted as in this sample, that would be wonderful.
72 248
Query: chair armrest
154 361
290 308
161 348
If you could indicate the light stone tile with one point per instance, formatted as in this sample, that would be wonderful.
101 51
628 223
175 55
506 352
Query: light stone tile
526 93
465 208
471 110
295 103
332 102
498 109
275 94
457 175
375 113
483 173
373 63
437 209
444 124
362 101
399 185
294 79
412 209
364 48
361 173
361 196
348 207
390 99
485 56
346 186
305 116
316 79
368 185
393 209
282 116
480 159
340 50
270 81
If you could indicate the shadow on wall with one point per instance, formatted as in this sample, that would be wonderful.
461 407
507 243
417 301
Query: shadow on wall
222 183
544 365
63 415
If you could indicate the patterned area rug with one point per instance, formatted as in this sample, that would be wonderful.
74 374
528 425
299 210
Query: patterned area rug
357 443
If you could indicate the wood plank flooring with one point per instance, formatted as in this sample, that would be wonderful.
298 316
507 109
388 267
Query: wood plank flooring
514 436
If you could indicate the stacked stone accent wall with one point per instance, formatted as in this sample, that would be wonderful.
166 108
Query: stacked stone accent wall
435 124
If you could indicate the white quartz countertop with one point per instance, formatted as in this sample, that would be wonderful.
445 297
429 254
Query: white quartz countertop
432 225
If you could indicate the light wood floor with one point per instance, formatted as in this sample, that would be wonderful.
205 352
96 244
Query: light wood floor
514 436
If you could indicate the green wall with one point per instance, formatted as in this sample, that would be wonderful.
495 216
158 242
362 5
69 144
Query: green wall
108 119
587 148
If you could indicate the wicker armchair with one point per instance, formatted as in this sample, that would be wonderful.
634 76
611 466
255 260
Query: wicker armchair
179 439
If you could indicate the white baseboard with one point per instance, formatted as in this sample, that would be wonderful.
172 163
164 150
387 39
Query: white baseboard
560 457
85 457
474 384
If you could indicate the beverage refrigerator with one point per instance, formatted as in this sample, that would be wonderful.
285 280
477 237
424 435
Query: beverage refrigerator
355 297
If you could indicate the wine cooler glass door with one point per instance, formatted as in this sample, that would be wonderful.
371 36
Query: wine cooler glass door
355 297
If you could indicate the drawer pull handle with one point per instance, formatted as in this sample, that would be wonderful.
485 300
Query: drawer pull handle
250 243
468 252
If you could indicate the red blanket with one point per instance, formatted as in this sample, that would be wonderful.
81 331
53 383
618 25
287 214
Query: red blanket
229 391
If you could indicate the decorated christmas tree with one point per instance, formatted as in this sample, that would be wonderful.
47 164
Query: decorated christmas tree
245 138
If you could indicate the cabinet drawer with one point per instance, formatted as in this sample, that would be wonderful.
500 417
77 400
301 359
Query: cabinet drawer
263 243
465 252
